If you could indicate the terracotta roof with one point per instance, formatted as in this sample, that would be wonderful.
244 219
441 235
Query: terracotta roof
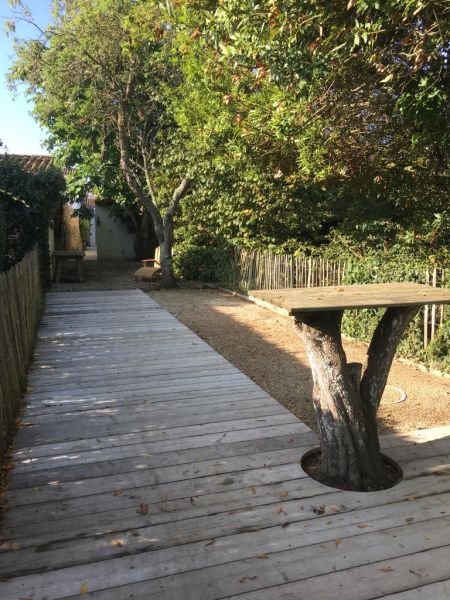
31 162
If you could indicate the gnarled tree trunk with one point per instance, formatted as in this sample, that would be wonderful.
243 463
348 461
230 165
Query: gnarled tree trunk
346 404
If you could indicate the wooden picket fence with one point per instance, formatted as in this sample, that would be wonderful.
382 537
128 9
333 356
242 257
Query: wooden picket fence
263 270
20 309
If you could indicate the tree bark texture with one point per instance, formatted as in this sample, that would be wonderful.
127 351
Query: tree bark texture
346 404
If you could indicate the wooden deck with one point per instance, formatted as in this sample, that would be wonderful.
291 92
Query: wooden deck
148 467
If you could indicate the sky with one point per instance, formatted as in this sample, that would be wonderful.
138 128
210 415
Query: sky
18 130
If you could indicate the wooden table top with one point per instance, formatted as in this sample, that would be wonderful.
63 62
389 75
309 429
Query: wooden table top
373 295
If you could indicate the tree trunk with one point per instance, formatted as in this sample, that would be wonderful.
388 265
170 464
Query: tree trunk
344 405
163 226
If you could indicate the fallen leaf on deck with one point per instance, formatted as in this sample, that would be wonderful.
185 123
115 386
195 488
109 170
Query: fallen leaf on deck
263 555
283 525
337 541
319 510
280 510
409 519
283 494
118 492
334 508
246 578
410 498
84 588
142 509
386 569
8 546
362 525
253 489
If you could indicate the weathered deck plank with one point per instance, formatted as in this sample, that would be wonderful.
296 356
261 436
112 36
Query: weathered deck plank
149 467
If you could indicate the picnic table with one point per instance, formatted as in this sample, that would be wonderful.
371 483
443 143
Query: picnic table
346 397
60 256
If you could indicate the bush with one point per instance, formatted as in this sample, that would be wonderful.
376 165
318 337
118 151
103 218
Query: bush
204 263
28 204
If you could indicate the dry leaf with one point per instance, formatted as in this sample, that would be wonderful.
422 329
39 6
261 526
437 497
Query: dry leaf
10 546
253 489
386 569
283 494
334 508
246 578
319 510
410 498
283 525
116 543
84 588
337 541
118 492
362 525
142 509
263 555
280 510
409 519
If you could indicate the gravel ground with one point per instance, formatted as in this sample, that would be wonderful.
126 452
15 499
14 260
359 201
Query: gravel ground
263 345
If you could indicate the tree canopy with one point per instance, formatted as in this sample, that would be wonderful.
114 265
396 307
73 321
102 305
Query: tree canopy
296 123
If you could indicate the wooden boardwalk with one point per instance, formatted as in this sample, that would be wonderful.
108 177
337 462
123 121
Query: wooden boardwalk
148 467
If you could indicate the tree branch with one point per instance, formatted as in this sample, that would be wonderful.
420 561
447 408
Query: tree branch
381 352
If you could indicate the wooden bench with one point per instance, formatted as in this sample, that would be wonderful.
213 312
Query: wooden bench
149 273
59 256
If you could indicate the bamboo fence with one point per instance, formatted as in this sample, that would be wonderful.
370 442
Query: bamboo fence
263 270
20 309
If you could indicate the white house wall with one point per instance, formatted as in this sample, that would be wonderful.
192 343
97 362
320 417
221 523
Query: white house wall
112 236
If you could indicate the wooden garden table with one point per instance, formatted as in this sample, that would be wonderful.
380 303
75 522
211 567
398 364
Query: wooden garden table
61 255
346 399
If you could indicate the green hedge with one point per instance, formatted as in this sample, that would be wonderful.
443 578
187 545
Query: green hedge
204 263
28 203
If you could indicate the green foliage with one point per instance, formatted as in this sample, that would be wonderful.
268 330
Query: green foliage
206 263
438 351
28 203
306 118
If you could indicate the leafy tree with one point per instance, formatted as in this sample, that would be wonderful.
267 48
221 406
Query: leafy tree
98 76
346 104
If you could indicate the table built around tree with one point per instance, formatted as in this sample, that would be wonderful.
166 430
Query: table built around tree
346 397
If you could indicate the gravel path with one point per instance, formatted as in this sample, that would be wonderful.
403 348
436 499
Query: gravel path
264 346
